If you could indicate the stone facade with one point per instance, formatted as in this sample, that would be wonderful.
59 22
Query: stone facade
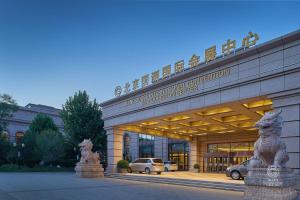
270 70
22 118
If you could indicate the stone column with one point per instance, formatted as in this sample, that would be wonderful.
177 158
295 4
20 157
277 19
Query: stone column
193 157
114 148
289 102
161 148
134 145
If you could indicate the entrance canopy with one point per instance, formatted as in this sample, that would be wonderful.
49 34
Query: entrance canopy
233 117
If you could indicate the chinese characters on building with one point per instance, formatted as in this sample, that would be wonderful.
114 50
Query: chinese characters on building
210 54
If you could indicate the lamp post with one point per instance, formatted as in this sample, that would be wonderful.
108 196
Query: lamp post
18 152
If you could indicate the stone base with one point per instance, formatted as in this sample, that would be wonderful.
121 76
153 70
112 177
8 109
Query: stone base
275 184
89 171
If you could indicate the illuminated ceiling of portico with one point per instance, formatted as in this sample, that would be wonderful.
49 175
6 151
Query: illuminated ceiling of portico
234 117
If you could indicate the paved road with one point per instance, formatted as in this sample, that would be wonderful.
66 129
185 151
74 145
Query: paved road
66 186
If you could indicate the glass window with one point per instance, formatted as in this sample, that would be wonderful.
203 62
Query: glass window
224 148
146 146
19 136
212 148
237 147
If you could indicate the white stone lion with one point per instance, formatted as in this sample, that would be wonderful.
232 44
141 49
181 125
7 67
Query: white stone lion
87 156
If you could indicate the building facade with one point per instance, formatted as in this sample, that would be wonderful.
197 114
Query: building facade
19 123
214 105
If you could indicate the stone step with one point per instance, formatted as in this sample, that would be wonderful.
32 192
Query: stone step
184 182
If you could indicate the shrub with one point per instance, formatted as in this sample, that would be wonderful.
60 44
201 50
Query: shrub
123 164
196 166
50 146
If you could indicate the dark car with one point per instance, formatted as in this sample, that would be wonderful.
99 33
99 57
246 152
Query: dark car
237 172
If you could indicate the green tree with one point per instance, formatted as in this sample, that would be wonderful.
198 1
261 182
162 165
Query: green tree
83 120
4 148
50 146
40 123
7 106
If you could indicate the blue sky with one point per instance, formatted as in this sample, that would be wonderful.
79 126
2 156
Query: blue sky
51 49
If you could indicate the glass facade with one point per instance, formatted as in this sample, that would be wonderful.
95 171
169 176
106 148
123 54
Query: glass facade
220 156
146 146
179 152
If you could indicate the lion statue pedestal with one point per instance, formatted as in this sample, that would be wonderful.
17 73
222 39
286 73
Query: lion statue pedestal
89 165
268 177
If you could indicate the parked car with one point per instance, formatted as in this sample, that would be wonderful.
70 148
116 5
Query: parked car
237 172
170 166
147 165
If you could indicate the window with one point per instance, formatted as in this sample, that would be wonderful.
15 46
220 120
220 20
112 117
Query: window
19 136
146 146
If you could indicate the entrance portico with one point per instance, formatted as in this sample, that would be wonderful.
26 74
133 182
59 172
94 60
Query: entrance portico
215 103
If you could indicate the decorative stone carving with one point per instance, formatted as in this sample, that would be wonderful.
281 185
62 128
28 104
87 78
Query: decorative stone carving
268 177
269 149
89 165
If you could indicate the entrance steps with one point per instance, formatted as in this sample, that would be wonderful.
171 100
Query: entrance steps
175 181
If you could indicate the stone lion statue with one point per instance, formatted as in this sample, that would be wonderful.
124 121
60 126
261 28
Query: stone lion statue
269 149
87 156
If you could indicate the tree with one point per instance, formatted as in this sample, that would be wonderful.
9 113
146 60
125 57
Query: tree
50 146
83 120
4 148
7 106
42 122
31 153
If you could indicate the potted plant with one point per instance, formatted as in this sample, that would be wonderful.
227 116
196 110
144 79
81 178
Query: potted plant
122 166
197 167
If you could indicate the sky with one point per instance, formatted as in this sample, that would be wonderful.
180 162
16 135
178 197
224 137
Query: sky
49 49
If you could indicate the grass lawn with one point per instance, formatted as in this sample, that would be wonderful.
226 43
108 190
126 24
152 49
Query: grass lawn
16 168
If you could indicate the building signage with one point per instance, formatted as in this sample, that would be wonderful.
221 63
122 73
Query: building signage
210 55
178 89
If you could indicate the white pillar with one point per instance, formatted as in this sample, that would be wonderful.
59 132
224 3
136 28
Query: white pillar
193 158
114 148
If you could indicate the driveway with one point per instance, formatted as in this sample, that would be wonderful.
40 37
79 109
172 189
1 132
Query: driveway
66 186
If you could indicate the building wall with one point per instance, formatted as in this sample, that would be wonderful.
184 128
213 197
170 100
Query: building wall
22 118
269 70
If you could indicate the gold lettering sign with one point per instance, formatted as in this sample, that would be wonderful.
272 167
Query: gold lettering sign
145 80
177 90
250 40
179 66
135 84
166 71
194 61
210 54
227 47
118 91
155 76
127 88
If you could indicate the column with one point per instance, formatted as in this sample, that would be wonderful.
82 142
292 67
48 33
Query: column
114 148
193 147
134 145
289 103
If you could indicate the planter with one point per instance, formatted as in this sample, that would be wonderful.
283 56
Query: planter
122 170
196 170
